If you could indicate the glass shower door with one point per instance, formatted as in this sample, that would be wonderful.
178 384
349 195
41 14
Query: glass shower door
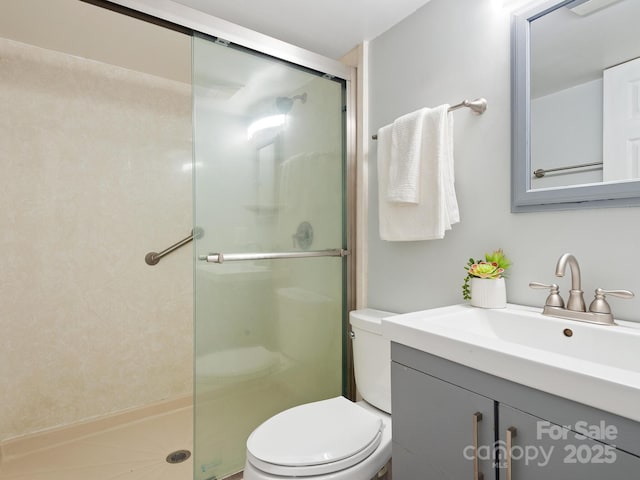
269 278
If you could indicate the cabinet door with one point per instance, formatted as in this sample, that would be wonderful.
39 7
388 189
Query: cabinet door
540 449
437 427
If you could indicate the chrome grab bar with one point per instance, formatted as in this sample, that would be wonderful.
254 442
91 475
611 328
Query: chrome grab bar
152 258
238 257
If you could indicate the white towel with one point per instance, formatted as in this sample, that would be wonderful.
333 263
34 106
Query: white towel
404 167
437 207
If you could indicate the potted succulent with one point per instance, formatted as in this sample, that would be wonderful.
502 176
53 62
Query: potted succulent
484 284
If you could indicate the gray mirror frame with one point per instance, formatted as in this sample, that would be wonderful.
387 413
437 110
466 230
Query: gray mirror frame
523 199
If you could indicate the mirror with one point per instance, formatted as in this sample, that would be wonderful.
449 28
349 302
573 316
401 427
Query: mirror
576 105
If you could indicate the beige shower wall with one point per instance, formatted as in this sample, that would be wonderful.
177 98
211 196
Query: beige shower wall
95 167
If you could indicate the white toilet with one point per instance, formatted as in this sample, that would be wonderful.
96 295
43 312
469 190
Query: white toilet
333 439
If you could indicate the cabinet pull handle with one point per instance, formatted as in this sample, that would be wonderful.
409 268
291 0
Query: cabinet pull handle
511 432
477 475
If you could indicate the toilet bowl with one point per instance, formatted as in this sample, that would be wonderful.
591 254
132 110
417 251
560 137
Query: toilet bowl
333 439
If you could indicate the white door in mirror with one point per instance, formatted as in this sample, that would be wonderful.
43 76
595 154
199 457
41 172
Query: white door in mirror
621 122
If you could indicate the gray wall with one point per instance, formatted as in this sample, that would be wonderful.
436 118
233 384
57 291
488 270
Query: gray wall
447 51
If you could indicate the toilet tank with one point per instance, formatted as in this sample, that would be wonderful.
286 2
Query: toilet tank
371 357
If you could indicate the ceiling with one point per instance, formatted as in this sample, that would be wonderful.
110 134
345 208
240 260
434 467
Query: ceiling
328 27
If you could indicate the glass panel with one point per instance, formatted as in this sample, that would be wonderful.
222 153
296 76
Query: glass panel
268 178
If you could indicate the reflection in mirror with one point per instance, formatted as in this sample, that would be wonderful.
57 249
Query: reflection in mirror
577 54
576 83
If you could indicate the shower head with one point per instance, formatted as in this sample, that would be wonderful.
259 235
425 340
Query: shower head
285 104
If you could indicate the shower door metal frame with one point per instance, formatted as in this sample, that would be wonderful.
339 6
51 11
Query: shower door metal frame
196 21
187 20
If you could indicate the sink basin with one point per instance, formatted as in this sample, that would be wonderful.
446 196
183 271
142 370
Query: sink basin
592 364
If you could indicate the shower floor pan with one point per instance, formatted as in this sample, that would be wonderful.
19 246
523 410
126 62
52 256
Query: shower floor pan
135 449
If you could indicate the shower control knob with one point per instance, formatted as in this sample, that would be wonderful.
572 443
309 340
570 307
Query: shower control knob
303 236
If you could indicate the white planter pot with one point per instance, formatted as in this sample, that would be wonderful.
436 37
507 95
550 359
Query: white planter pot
488 293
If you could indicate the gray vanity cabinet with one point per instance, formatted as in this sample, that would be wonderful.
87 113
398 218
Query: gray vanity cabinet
435 404
544 450
436 427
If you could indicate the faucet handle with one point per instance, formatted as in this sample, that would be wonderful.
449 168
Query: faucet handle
615 293
600 304
554 299
542 285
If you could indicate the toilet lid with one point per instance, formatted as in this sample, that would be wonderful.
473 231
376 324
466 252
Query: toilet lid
315 438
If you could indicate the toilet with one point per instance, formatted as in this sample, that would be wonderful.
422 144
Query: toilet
333 439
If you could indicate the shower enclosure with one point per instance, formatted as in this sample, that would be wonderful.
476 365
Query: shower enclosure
99 156
270 265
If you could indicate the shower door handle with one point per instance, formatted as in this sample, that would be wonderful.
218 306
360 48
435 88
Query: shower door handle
239 257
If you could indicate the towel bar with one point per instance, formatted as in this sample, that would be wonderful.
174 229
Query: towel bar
541 172
479 105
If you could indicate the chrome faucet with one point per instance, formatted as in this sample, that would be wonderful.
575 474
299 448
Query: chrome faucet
599 310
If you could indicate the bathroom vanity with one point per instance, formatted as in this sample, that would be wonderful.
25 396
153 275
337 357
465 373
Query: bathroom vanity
455 415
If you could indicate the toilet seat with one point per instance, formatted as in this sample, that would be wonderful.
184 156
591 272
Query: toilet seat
337 434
